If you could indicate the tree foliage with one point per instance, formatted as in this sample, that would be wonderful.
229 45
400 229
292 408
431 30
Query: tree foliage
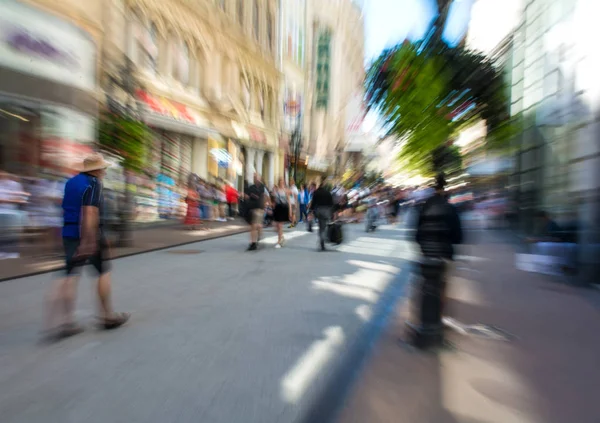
425 91
127 137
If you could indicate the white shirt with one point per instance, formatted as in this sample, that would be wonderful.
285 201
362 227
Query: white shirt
293 195
10 191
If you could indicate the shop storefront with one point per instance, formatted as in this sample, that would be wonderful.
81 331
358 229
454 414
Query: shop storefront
48 107
180 140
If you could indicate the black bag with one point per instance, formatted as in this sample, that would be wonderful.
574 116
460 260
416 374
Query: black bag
309 222
334 233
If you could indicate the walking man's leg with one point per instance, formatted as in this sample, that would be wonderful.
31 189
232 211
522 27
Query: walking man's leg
60 303
107 316
323 220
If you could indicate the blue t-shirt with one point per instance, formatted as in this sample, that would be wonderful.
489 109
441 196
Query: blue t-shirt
81 190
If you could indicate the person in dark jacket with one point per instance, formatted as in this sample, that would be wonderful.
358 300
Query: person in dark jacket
322 205
438 224
438 230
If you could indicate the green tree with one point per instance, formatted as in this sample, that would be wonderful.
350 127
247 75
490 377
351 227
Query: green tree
126 137
426 92
129 139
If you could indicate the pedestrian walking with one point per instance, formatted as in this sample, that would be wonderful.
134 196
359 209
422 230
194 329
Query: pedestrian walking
322 205
254 204
438 230
12 220
84 240
303 202
232 196
293 194
192 215
282 212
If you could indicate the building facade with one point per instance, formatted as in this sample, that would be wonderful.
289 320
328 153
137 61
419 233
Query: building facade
335 55
208 83
49 62
293 101
558 97
202 74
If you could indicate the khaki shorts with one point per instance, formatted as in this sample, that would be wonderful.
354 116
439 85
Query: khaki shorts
257 216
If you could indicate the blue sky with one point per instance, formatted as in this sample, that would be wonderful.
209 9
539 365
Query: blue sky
391 21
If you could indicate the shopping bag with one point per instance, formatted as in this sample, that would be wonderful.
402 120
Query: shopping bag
334 233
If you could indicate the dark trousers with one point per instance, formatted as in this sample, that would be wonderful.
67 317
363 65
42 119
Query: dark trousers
230 208
323 214
303 213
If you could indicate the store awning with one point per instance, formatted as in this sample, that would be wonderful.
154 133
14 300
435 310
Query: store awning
172 116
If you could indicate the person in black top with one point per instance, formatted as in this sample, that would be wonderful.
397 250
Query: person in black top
255 209
322 205
438 224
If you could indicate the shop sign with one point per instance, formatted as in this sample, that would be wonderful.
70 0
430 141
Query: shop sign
37 43
257 135
169 108
320 165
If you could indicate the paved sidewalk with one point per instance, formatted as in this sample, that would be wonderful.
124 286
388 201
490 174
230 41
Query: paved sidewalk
144 239
550 373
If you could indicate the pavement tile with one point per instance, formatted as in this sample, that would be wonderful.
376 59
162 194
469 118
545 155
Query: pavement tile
146 239
550 372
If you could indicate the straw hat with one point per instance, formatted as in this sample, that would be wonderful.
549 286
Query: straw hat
94 162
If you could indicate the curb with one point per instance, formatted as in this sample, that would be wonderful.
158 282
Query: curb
329 399
135 253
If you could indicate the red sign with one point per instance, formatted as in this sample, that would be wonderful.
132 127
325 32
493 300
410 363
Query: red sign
165 107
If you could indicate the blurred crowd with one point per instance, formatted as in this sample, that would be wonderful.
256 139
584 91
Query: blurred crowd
30 211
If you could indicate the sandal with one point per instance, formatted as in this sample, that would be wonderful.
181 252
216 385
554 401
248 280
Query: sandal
63 331
114 321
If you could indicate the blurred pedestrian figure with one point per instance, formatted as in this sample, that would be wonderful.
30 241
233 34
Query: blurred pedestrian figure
322 205
84 240
303 202
439 229
192 214
282 211
254 197
232 197
293 194
12 197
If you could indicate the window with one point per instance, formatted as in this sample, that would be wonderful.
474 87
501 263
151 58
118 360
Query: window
261 104
269 32
240 11
181 62
323 75
256 20
146 45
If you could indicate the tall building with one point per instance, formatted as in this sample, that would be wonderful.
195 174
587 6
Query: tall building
209 83
295 110
557 96
335 55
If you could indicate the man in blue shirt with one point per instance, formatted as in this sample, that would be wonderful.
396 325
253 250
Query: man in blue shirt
84 241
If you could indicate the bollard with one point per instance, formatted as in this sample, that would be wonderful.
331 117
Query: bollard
425 328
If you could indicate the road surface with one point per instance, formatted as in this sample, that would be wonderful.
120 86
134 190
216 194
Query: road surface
217 334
